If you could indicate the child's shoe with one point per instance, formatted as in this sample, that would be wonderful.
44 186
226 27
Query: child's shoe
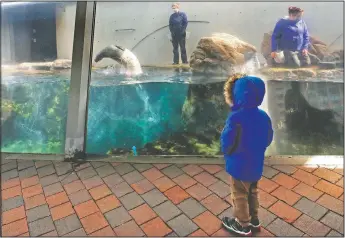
255 225
232 225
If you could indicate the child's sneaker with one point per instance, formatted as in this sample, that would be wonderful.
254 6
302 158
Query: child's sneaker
232 225
255 225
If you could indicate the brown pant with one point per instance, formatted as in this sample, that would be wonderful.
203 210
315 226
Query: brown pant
244 200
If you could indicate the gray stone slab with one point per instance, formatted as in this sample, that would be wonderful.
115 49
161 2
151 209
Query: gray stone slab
310 208
24 164
280 228
68 178
117 217
333 233
48 180
11 203
223 176
334 221
142 167
67 225
269 172
51 234
27 173
311 227
172 171
266 217
42 163
124 168
41 226
80 166
133 177
97 164
167 211
182 225
52 189
191 208
220 188
9 175
79 197
93 182
45 171
62 168
105 171
9 166
78 233
121 189
86 173
37 213
172 234
227 213
131 200
154 197
113 180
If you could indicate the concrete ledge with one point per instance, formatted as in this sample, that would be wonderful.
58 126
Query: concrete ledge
270 160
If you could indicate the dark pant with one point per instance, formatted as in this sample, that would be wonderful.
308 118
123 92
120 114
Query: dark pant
176 42
296 59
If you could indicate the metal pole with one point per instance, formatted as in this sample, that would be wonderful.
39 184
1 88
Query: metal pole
80 79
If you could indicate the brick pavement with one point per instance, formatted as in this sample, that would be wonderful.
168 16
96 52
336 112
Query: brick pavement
111 199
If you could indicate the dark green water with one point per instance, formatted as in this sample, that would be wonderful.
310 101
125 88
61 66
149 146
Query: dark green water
164 113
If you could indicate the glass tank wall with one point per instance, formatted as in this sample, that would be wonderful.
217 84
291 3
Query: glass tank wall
35 76
139 98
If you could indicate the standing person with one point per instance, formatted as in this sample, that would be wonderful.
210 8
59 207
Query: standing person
178 24
245 137
291 36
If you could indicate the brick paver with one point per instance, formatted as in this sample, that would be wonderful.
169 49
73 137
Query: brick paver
42 198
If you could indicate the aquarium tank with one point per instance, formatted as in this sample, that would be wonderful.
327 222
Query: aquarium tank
139 99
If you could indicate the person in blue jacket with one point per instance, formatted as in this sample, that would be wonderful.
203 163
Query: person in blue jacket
291 36
244 139
178 24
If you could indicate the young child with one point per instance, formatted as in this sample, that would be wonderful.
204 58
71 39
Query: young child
244 139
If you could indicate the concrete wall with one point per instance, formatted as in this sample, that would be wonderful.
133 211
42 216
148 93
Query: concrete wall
249 21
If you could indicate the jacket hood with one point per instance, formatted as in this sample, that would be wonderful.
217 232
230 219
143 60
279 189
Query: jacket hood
248 92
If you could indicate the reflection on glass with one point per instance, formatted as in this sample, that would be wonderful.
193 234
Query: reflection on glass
174 108
35 76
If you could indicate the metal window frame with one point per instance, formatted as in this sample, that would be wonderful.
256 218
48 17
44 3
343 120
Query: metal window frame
76 126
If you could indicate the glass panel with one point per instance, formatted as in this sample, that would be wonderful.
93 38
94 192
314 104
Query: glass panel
138 98
35 69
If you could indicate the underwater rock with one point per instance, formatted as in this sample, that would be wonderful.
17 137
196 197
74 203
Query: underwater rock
204 110
220 54
318 50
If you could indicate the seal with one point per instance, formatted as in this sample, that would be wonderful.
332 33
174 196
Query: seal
123 56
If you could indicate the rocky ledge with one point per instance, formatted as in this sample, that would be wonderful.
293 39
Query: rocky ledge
301 73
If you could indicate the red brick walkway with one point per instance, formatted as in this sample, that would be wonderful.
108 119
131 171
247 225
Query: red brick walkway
102 199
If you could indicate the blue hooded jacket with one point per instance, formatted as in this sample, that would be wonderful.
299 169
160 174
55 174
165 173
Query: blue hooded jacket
247 132
290 35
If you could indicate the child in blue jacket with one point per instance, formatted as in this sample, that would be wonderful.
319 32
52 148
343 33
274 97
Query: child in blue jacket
245 137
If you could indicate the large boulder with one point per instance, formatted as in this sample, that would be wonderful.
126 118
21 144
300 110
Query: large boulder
318 50
220 53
